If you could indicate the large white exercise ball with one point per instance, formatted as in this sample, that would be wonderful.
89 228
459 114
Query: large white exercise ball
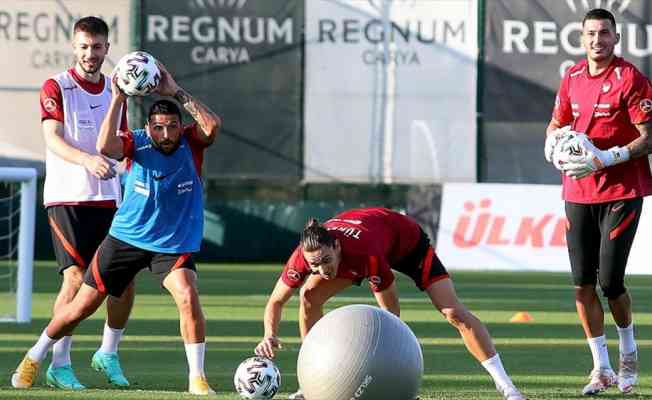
360 352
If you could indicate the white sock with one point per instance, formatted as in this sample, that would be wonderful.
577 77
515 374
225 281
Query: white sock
627 343
41 347
598 346
195 355
495 368
61 352
110 339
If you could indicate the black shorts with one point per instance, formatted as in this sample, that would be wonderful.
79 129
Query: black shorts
599 238
422 264
116 263
77 231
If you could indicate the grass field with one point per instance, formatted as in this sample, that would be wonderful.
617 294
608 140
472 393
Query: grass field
547 358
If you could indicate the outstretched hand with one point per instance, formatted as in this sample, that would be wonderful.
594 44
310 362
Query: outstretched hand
167 86
266 346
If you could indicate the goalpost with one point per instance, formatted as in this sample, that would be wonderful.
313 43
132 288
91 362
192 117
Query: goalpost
17 218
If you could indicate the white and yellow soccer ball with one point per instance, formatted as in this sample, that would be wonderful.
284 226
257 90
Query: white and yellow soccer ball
257 378
138 74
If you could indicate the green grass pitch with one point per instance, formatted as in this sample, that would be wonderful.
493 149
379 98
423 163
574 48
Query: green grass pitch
547 358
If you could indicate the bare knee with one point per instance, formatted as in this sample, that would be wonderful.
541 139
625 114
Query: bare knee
73 277
458 316
585 294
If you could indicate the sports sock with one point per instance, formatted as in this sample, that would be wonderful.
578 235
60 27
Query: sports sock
598 346
195 355
626 342
495 368
110 339
41 347
61 352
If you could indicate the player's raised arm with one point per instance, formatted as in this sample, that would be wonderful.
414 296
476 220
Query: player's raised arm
272 319
208 122
108 142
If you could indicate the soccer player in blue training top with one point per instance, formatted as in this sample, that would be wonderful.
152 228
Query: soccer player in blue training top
158 226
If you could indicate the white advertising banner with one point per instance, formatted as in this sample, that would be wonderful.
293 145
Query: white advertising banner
36 44
390 91
515 227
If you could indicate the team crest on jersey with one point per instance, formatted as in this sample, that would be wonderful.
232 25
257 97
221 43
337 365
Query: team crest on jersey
293 275
375 281
645 105
50 105
606 87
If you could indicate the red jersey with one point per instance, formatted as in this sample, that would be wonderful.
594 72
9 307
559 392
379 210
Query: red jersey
606 107
372 240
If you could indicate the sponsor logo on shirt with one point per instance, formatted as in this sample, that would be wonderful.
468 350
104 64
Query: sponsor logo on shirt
348 232
184 187
348 221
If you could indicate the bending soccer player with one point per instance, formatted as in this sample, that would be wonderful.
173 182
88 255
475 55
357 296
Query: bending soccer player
368 243
81 193
158 226
603 188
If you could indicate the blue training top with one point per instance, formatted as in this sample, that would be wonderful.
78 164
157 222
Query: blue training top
163 207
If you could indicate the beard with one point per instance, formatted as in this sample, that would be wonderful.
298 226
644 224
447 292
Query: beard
166 147
91 69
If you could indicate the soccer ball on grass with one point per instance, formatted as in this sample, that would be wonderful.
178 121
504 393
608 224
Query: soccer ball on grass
257 378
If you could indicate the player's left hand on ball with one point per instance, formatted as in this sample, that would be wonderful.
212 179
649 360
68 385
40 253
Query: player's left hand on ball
266 346
167 86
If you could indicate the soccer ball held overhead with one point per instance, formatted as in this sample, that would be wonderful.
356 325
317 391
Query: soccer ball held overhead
138 74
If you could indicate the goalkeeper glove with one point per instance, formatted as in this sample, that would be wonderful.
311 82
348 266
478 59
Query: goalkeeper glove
592 159
553 140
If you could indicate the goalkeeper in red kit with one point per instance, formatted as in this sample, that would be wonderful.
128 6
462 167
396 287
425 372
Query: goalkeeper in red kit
599 139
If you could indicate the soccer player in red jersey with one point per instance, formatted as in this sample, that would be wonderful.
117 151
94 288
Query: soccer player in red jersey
81 194
368 243
610 102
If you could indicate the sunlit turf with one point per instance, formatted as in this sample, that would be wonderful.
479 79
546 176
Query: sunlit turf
548 358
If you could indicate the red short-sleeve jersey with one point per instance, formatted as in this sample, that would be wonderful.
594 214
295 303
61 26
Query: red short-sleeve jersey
372 240
606 107
52 99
